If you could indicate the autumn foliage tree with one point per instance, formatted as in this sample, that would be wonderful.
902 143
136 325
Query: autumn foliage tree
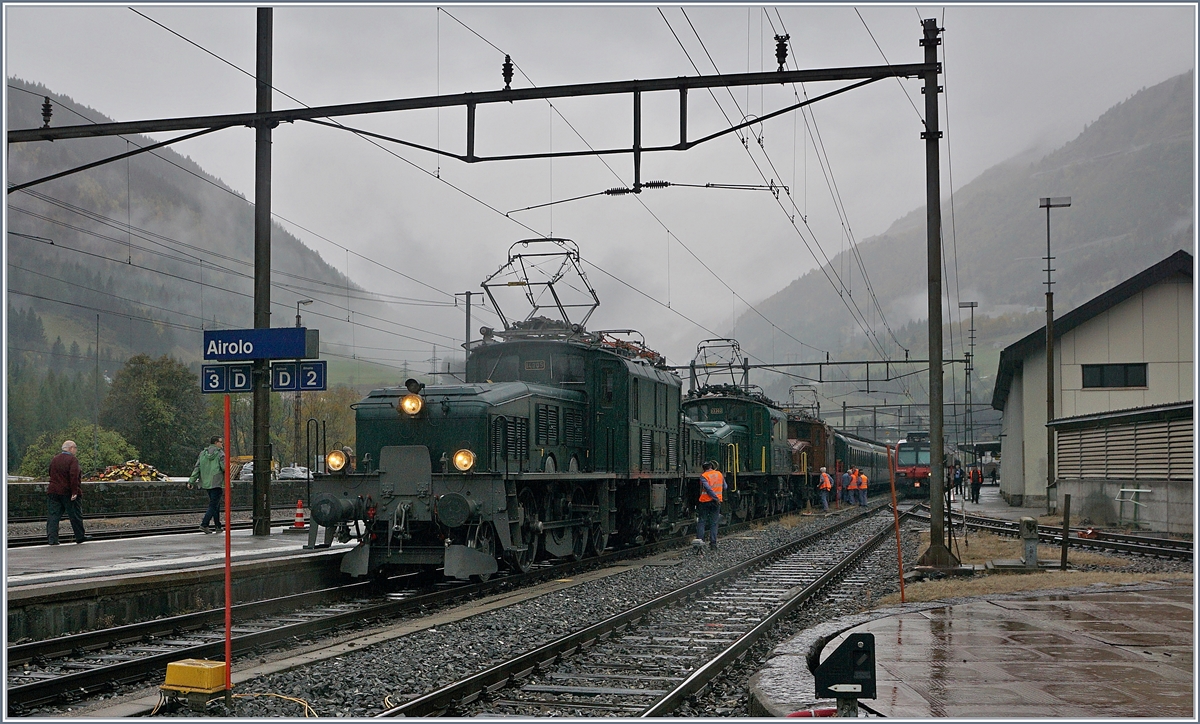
155 403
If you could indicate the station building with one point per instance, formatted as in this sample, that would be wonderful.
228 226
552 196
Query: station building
1123 399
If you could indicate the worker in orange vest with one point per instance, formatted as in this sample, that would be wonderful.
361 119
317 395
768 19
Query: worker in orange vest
858 488
712 493
825 486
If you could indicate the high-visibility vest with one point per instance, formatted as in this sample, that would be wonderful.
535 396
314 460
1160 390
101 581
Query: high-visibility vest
716 481
826 482
862 481
854 481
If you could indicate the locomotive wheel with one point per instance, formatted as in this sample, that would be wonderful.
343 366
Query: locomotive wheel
485 542
743 507
521 561
597 539
579 533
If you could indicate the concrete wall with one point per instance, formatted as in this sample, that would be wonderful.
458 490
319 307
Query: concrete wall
29 499
1169 507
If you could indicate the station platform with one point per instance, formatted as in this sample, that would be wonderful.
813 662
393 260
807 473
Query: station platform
43 566
53 590
992 505
1106 651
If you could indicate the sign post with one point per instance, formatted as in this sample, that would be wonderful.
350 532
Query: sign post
228 574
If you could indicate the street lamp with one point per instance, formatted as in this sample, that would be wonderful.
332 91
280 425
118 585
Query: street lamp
296 409
1047 203
298 303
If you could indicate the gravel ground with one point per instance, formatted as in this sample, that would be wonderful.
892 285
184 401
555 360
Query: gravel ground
368 681
356 685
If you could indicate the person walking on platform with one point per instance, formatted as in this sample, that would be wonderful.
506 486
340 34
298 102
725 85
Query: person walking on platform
712 493
843 485
209 474
64 493
976 484
824 487
958 480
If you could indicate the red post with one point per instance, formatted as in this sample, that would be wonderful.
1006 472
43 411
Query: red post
228 569
896 518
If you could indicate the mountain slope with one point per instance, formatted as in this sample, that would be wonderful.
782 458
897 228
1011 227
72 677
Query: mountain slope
1130 177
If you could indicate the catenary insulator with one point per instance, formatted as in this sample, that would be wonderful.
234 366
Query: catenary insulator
656 184
618 191
781 49
47 111
507 68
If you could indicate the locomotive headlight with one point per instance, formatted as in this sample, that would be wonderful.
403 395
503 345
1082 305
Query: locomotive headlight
335 460
464 460
411 404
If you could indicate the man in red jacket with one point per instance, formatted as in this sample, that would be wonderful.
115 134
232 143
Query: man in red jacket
64 493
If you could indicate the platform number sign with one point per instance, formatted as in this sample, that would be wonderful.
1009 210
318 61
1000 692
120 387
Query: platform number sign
226 378
298 376
214 378
312 375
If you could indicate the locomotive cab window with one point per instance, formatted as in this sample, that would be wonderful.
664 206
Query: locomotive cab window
607 383
506 369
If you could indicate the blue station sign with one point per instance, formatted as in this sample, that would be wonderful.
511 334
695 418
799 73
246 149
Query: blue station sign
247 344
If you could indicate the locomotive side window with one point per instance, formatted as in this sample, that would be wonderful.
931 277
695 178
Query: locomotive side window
606 388
568 368
634 404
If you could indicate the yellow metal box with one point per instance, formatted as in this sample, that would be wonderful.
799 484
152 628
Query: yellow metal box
195 675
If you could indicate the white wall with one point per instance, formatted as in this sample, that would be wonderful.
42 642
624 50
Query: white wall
1153 326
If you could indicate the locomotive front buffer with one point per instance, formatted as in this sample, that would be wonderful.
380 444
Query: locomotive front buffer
380 510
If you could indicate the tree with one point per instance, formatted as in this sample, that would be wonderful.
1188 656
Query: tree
156 404
331 407
114 449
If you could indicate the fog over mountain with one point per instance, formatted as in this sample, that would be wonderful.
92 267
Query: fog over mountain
1130 177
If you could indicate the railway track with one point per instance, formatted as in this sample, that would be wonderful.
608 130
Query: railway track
80 665
1083 538
98 535
649 659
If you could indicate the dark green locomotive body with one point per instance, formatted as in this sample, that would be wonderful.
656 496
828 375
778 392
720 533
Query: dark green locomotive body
747 436
572 440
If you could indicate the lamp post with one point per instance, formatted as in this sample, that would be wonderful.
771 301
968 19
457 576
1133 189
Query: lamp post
1047 203
296 409
970 366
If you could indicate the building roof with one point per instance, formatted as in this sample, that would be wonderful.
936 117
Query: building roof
1169 411
1013 356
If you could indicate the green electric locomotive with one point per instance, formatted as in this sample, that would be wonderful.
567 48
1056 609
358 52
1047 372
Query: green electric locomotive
558 442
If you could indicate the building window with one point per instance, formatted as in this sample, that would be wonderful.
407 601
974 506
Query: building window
1123 375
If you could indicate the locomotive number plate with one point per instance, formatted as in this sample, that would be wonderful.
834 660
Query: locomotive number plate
535 364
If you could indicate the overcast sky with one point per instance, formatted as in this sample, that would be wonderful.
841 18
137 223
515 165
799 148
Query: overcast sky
1018 79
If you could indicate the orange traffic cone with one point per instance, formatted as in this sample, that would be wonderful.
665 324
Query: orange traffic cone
299 515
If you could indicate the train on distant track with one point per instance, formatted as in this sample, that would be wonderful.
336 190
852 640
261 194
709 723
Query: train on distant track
559 443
